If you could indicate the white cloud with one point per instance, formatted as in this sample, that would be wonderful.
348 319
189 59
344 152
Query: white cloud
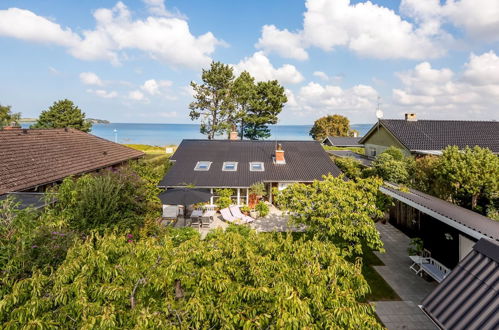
103 93
166 39
282 42
137 95
259 66
90 78
315 100
321 75
441 93
25 25
478 18
154 87
367 29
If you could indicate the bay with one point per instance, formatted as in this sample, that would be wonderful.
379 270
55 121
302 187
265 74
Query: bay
173 134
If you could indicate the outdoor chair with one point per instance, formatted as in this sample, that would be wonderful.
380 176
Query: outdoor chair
195 222
205 222
236 212
227 216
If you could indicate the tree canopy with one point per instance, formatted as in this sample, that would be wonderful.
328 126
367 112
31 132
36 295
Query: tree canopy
212 99
232 279
338 209
468 174
223 101
332 125
7 117
62 114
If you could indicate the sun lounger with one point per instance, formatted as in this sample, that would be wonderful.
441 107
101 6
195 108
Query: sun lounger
227 216
236 212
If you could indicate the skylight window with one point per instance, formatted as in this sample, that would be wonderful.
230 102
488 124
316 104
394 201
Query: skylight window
229 166
202 166
257 167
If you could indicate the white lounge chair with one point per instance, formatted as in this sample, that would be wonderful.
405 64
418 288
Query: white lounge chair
236 212
227 216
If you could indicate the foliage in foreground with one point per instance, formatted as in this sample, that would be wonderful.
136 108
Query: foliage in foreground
61 114
236 278
335 208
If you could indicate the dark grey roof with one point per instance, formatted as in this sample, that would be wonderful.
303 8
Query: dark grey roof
468 298
472 223
438 134
343 141
305 161
27 199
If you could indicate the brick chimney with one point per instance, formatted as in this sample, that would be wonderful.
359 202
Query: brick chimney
410 117
233 134
279 155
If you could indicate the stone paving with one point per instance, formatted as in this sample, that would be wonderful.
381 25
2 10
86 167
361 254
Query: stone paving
411 288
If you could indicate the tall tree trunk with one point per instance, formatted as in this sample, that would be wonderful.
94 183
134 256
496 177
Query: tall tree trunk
242 128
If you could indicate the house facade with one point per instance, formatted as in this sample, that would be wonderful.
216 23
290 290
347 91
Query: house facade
236 164
429 137
448 231
31 160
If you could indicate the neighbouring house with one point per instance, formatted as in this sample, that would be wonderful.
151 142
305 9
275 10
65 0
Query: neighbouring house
237 164
342 141
448 231
429 137
33 159
468 297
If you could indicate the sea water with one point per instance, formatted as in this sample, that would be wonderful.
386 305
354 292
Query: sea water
173 134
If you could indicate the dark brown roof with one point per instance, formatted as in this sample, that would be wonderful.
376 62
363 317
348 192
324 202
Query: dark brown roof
469 297
305 161
33 157
343 141
438 134
474 224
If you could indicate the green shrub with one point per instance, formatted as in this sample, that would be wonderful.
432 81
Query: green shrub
99 201
258 189
415 247
350 166
262 209
245 208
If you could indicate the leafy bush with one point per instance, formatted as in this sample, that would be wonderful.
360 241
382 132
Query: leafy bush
262 209
224 198
415 247
350 166
245 208
100 201
231 279
395 152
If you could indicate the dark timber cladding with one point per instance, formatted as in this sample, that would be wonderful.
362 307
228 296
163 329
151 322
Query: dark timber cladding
467 221
468 298
35 157
305 161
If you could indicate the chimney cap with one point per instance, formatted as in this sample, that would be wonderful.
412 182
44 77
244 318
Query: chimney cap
410 117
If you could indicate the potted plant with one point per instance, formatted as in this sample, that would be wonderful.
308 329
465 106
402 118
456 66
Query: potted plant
262 209
256 191
245 209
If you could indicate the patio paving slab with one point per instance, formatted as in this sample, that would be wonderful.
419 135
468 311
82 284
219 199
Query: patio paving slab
411 288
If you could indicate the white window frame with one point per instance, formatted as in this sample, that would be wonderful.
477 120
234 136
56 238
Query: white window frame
256 170
229 170
202 162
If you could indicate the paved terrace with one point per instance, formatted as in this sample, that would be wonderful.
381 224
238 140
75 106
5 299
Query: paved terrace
411 288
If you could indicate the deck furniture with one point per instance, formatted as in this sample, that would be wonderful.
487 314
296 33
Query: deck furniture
429 266
227 215
236 212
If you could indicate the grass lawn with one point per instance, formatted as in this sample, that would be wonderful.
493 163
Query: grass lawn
380 290
153 154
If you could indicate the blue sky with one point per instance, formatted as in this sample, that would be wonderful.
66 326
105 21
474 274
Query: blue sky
132 61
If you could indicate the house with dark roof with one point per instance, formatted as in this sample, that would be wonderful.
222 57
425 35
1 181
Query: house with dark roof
420 137
468 298
33 159
448 231
239 164
342 141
